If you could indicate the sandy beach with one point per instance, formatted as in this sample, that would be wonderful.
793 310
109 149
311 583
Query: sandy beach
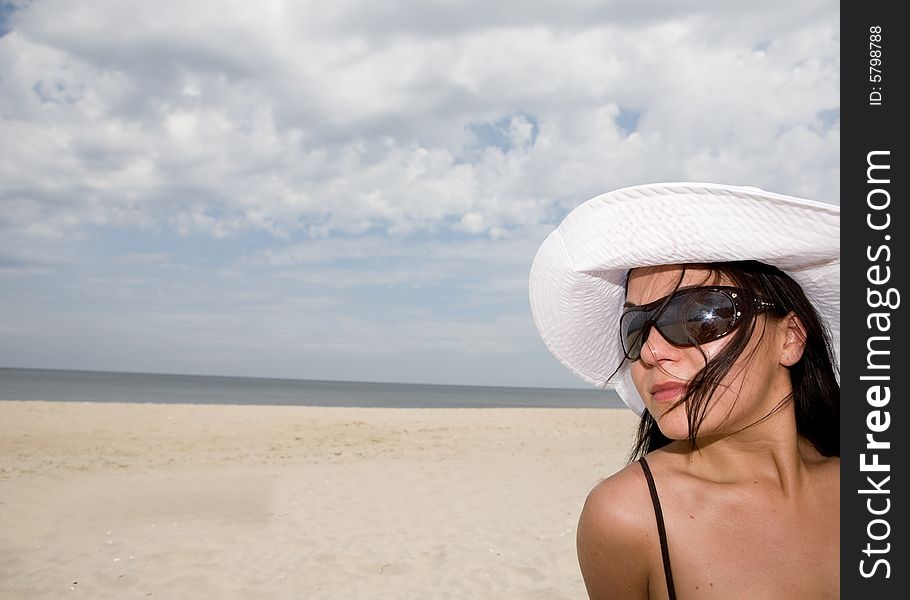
128 501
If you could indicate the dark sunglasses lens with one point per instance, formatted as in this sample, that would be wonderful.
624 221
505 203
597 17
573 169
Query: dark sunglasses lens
691 317
631 328
697 317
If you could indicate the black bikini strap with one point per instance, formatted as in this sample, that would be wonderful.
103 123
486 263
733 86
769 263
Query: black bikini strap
661 531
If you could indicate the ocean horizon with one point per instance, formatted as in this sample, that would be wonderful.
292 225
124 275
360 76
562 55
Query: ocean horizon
61 385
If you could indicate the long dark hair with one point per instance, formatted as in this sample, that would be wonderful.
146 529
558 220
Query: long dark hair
816 392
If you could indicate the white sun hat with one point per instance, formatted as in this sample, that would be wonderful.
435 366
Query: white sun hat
577 281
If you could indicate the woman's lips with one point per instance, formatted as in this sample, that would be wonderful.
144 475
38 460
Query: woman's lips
666 392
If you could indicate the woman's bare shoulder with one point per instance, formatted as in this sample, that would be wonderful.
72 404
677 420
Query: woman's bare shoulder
615 534
619 497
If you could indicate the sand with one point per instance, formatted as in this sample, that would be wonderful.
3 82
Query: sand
128 501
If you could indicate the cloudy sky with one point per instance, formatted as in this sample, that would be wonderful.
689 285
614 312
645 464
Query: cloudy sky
354 189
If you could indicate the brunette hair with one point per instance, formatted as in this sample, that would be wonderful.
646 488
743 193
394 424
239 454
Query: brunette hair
816 392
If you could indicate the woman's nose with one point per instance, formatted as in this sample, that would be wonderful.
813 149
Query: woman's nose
657 349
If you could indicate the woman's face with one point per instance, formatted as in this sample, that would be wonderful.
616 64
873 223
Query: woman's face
753 387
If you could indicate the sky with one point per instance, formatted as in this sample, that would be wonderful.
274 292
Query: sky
355 190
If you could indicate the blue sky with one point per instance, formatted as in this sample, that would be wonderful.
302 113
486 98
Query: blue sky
356 190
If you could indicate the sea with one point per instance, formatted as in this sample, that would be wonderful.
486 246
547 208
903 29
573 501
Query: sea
97 386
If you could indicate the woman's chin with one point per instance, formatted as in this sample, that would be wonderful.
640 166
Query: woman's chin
674 424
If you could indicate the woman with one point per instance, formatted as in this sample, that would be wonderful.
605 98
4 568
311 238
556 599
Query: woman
709 308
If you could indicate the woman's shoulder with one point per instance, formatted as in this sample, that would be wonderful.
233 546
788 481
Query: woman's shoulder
614 535
621 506
619 497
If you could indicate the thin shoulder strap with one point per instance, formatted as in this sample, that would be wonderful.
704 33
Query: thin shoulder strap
661 531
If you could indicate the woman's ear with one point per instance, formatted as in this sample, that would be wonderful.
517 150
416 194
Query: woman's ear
794 340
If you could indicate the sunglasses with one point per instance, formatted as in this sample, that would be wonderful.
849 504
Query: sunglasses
688 317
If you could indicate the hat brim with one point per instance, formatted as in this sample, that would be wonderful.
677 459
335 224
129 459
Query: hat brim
578 275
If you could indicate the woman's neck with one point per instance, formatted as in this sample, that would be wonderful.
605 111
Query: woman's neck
769 451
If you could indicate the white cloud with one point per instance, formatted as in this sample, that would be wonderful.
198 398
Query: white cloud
418 138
